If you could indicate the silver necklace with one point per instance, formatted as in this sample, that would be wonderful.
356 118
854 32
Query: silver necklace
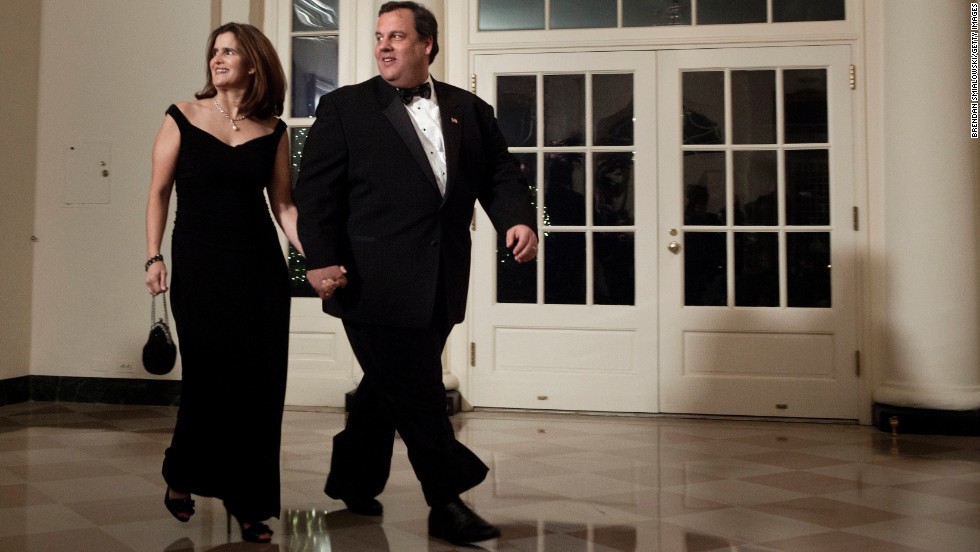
227 116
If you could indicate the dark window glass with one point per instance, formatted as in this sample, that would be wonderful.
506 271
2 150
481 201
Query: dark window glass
516 99
612 109
614 278
648 13
704 188
511 15
583 14
296 262
564 268
564 110
564 189
297 139
613 189
712 12
807 187
807 10
705 269
756 269
314 72
704 107
518 282
805 101
754 107
756 201
808 264
314 15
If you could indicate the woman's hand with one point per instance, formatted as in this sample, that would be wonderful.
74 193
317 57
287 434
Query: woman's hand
327 280
156 278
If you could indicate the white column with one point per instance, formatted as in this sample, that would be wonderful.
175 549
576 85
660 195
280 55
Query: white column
930 180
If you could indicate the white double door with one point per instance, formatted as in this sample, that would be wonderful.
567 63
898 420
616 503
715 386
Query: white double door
697 248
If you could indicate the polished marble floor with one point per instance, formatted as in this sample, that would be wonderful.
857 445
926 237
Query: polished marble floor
85 477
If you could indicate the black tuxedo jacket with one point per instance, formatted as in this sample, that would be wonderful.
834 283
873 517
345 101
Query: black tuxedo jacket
368 200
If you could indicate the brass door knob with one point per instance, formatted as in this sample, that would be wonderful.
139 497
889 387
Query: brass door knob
674 247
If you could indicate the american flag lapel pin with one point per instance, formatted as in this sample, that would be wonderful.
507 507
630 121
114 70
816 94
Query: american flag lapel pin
454 120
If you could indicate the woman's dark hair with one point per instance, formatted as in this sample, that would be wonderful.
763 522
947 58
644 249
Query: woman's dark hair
425 22
266 93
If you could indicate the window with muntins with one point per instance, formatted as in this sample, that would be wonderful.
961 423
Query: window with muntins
313 71
516 15
579 162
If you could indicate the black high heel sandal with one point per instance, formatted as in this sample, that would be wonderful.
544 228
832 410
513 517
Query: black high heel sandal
253 533
180 508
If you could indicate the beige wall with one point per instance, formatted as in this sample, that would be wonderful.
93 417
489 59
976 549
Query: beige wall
19 42
108 71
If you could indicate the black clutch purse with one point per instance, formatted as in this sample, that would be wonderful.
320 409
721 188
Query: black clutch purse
159 353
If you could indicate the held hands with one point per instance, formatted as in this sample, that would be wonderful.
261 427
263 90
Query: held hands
523 242
325 281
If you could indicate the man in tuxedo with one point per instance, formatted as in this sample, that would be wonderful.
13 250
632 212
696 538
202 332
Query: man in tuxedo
391 171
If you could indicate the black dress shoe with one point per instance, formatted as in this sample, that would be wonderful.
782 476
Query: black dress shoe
458 524
364 506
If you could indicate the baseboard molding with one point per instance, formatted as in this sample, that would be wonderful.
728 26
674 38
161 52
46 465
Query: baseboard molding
89 390
15 390
920 421
887 418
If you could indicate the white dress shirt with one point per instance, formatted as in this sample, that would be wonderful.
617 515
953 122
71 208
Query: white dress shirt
427 121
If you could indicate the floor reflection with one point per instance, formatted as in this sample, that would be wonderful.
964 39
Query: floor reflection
83 477
340 530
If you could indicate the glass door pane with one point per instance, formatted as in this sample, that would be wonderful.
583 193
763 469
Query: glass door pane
704 107
754 94
564 110
516 104
805 98
314 72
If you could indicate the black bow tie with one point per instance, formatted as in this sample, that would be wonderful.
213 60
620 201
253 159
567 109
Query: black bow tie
423 91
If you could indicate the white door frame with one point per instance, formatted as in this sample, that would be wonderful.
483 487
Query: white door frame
562 356
760 361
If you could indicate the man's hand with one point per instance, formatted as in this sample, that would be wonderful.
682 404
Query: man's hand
326 280
523 242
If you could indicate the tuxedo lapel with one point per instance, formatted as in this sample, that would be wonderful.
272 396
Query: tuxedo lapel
400 119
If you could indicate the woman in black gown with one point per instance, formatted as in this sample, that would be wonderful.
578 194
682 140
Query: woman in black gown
229 282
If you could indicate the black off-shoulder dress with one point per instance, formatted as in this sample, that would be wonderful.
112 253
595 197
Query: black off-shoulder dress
230 298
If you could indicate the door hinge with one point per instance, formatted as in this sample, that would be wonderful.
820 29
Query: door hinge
856 214
852 77
857 363
473 82
472 354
